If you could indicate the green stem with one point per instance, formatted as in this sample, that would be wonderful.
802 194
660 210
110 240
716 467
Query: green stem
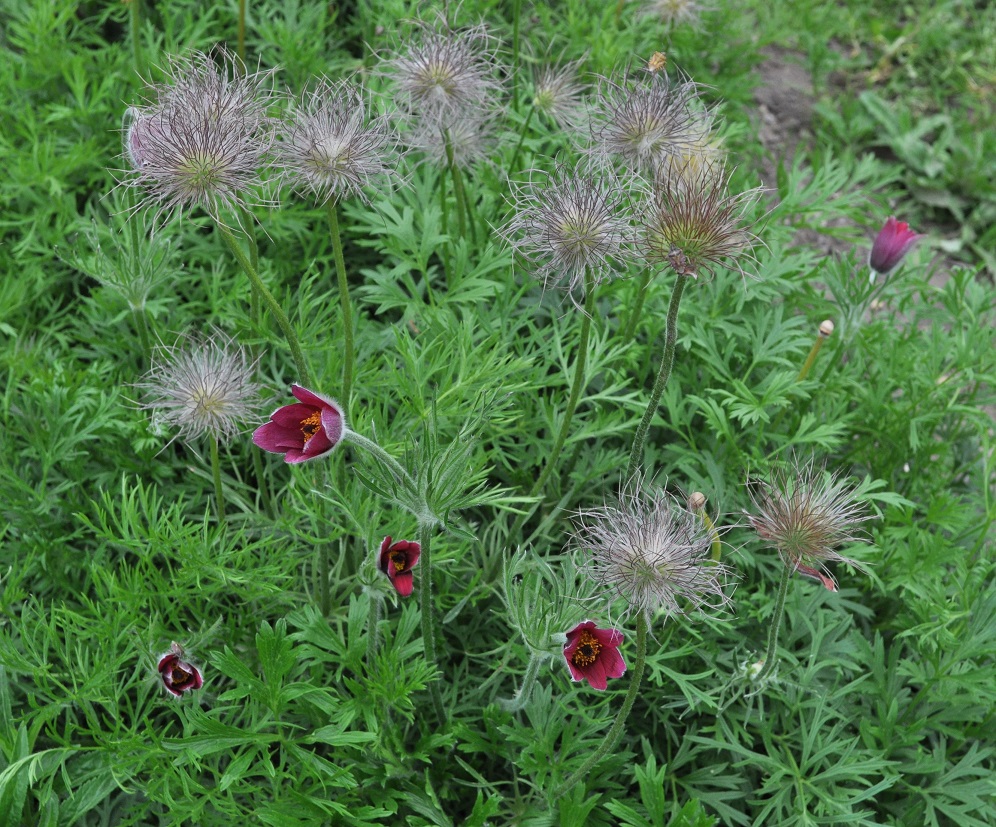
138 314
667 362
519 699
457 188
135 10
811 359
636 677
369 445
373 624
512 168
242 31
576 387
268 298
425 607
219 497
776 623
332 212
634 317
516 16
462 195
619 11
323 579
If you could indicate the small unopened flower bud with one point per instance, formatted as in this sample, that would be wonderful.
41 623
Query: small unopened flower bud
696 501
826 328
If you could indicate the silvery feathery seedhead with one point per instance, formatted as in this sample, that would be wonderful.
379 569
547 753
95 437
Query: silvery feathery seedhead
652 551
201 386
442 73
202 138
572 220
330 146
558 93
646 119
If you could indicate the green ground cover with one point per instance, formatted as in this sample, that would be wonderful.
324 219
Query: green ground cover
193 631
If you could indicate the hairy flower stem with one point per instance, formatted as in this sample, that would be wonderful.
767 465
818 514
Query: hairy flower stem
425 607
519 699
135 9
400 474
811 359
219 497
373 630
241 47
516 17
512 168
636 677
776 624
304 377
667 362
464 218
572 401
332 212
634 317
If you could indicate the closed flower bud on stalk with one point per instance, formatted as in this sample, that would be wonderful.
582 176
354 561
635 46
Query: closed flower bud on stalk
892 243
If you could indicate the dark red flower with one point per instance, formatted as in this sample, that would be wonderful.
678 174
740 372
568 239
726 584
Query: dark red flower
308 429
397 561
891 245
177 675
592 654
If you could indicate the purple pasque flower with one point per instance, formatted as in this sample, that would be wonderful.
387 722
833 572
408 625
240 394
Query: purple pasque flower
307 429
892 243
397 561
178 676
592 654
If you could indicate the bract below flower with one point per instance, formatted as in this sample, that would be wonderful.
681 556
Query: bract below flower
891 245
308 429
592 654
177 675
397 561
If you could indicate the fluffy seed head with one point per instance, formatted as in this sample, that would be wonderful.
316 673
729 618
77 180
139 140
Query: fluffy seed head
806 512
444 72
675 13
201 387
693 223
471 139
568 221
648 118
653 551
202 138
330 147
558 94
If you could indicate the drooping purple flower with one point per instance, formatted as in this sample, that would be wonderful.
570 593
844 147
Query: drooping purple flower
307 429
178 676
397 561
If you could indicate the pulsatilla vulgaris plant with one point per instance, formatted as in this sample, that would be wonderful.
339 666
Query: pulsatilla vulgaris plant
655 554
805 513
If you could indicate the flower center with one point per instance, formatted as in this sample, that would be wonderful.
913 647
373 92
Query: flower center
587 652
310 426
399 560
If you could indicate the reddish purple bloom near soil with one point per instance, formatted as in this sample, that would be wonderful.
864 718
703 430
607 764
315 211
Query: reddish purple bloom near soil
592 654
177 675
307 429
397 561
891 245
